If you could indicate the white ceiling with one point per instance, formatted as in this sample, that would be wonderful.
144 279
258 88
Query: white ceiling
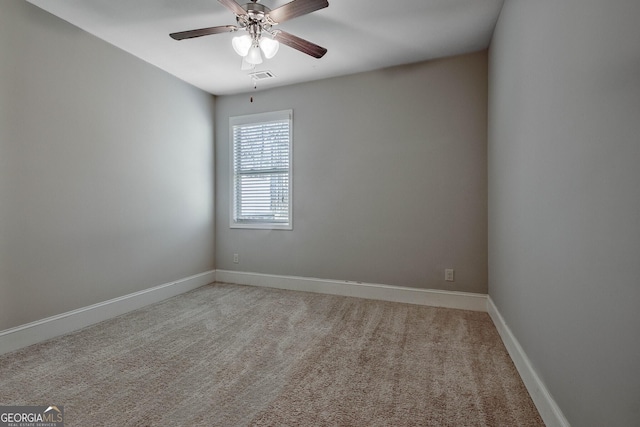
360 35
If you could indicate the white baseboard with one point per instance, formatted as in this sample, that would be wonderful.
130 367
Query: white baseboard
44 329
436 298
547 407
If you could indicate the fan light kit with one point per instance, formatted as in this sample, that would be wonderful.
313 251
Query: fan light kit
259 20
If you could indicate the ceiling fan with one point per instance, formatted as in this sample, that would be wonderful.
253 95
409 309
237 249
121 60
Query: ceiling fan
259 20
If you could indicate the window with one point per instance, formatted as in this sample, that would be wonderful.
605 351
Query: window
261 165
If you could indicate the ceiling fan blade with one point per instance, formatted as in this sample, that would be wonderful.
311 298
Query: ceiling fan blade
302 45
294 9
234 7
202 32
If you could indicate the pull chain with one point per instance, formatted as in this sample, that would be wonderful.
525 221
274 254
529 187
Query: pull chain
255 86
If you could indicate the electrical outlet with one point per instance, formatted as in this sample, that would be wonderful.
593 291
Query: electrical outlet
449 275
236 258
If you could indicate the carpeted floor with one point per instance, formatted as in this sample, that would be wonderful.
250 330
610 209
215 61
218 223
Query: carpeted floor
229 355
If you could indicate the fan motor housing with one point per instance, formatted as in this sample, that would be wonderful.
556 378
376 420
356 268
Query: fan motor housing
255 13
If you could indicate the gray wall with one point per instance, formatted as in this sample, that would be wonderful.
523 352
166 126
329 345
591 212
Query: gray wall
564 198
389 178
106 170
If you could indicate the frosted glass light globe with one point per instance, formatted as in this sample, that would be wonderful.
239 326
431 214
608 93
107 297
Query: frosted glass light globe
269 47
254 56
241 44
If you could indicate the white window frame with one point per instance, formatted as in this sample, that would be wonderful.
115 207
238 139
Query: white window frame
256 119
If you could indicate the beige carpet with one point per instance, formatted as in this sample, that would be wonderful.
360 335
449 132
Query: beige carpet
229 355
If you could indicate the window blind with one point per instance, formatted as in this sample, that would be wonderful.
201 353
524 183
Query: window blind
261 171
